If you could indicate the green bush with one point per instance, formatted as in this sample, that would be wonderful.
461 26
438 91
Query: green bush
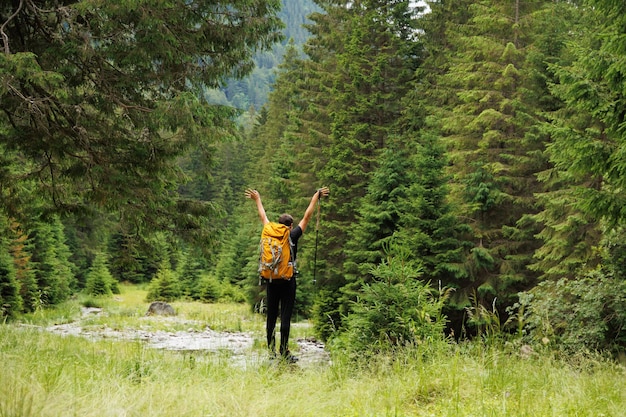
165 286
99 280
397 310
209 289
232 293
588 313
91 303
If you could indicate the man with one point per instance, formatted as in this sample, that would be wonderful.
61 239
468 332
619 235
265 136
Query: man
282 292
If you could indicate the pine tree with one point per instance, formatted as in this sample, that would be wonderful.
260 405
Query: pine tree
489 116
437 237
126 261
99 280
165 286
359 66
95 96
380 213
370 74
588 141
343 104
50 260
570 235
10 299
189 271
396 310
209 289
24 272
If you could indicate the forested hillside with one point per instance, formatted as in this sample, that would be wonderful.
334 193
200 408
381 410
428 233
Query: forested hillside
250 93
474 153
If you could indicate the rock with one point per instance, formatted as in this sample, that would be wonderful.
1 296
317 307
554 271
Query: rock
160 308
526 351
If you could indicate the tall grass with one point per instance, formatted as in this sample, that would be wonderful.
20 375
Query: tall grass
44 374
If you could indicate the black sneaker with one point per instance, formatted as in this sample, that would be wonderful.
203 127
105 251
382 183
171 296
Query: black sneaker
289 358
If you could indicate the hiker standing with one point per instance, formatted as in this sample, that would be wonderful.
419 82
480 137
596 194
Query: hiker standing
282 292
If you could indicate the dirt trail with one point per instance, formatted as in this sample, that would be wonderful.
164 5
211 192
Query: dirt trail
238 345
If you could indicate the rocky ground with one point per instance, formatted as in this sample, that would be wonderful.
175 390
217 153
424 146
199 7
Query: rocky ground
238 346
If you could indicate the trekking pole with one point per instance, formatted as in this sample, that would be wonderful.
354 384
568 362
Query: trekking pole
317 230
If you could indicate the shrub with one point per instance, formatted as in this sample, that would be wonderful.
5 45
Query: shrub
232 292
209 289
99 280
577 315
165 286
397 310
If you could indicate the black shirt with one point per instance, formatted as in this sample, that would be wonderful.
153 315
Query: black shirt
295 234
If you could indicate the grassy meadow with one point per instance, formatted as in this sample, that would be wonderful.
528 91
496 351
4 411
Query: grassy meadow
45 374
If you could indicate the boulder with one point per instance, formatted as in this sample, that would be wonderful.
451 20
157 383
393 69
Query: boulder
160 308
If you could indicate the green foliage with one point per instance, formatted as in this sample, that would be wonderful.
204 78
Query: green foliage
570 236
10 299
86 236
165 286
127 259
380 213
486 89
99 280
252 91
209 289
50 262
24 273
583 314
343 108
232 293
589 136
190 273
441 379
491 147
396 310
328 312
231 263
438 236
486 322
96 96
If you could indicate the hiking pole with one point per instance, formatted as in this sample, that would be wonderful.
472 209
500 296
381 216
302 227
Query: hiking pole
317 231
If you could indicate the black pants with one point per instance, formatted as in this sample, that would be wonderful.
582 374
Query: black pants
281 293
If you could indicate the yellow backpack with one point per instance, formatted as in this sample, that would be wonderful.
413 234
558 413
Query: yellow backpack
275 258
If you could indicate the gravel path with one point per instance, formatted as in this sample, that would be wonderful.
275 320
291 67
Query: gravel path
238 345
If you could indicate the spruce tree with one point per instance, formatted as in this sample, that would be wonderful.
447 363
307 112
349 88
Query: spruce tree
10 299
96 96
570 235
165 286
489 112
380 213
588 133
24 272
190 270
99 280
50 261
126 260
360 62
430 227
370 74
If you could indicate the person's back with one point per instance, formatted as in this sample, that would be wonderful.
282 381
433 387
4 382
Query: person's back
281 293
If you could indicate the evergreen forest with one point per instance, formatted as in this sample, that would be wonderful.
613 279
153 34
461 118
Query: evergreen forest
475 153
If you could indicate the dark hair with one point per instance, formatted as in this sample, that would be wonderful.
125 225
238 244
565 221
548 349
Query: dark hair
285 219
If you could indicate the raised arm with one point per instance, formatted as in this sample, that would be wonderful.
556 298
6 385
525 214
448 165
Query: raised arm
254 195
322 192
